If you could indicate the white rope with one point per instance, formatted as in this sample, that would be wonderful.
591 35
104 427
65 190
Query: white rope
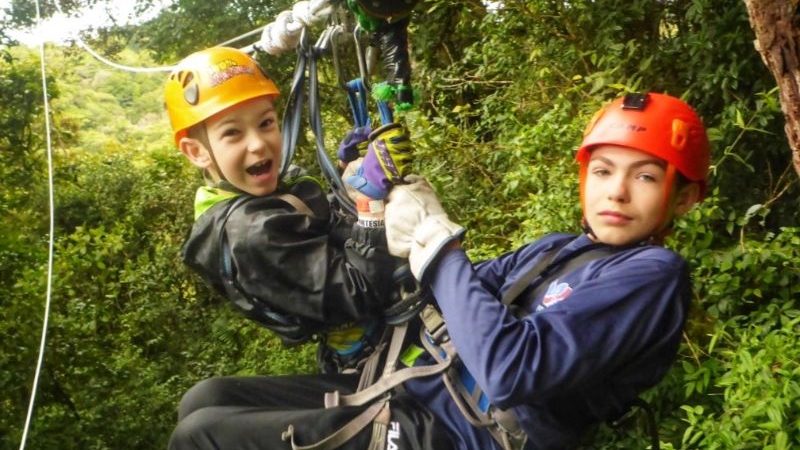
284 33
76 36
276 37
241 36
49 290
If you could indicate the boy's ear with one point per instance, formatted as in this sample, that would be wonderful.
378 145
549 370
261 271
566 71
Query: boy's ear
686 198
195 152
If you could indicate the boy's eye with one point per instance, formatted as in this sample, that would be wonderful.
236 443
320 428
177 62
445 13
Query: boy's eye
647 177
600 171
267 122
230 132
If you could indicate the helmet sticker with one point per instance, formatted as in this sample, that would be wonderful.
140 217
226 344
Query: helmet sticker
680 134
227 69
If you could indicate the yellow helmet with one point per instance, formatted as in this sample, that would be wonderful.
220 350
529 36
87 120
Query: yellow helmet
210 81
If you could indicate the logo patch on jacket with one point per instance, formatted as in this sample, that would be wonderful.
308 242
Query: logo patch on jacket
393 435
556 292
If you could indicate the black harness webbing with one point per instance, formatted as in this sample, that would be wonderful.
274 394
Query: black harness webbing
290 329
533 282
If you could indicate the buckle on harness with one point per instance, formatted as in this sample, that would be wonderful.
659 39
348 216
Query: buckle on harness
409 297
434 324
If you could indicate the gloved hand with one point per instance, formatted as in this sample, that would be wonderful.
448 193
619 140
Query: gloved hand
387 161
417 226
350 170
352 144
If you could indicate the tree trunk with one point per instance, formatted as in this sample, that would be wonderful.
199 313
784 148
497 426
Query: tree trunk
776 26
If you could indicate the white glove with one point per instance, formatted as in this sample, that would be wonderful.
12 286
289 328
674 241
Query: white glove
417 227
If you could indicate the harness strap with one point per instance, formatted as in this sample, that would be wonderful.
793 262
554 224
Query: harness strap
547 269
380 428
297 204
393 379
466 394
525 280
376 413
370 368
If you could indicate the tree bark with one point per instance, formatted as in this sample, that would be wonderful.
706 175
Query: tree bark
776 24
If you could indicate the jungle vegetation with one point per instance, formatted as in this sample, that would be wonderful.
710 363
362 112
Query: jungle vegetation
504 94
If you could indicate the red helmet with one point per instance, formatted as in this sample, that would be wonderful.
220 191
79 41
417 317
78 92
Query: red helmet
657 124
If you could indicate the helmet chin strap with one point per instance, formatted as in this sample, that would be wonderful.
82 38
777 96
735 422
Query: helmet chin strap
223 182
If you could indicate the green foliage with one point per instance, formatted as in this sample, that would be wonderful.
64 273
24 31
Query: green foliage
505 94
130 328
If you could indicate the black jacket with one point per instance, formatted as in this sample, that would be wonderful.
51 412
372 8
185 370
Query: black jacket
294 273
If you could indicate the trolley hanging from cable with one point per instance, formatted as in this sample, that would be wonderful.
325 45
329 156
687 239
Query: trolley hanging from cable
384 24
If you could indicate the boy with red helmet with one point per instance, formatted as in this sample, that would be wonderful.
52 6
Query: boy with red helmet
578 343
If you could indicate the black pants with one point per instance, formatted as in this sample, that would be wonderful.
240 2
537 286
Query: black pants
238 413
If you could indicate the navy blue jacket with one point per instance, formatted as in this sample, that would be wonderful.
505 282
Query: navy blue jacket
598 337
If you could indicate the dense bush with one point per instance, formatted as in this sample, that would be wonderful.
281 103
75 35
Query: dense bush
505 94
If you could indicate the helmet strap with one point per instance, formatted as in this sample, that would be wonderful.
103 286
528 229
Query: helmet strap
587 229
669 187
202 136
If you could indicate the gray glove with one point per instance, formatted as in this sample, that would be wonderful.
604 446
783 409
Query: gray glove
417 227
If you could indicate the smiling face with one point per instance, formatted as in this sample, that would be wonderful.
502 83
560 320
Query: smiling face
624 195
245 147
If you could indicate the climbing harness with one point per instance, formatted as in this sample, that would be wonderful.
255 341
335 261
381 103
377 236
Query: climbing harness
503 426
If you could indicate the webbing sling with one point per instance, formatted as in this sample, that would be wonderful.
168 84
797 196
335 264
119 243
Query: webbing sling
378 414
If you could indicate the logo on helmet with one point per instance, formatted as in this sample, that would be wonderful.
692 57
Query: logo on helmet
227 69
632 127
680 134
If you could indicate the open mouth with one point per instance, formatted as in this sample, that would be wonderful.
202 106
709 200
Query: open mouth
261 168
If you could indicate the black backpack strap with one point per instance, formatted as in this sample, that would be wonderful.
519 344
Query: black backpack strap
650 417
525 280
535 280
290 329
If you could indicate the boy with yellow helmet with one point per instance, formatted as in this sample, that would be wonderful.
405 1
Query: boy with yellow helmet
271 243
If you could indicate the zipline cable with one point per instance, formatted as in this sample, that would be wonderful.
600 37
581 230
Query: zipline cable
76 36
51 240
241 36
276 37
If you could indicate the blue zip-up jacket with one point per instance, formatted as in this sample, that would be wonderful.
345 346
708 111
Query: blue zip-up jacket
598 337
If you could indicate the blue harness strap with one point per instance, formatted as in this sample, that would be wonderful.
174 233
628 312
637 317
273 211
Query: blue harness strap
357 98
